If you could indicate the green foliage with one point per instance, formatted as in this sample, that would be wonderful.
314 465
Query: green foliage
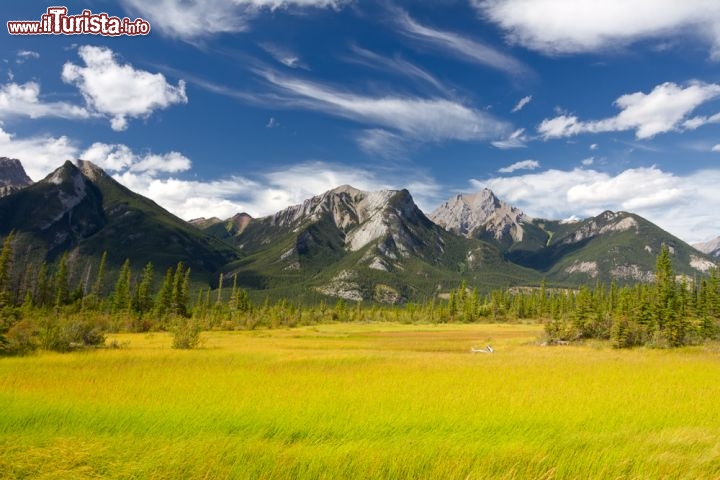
186 333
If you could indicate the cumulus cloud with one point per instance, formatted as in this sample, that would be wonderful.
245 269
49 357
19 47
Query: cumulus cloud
119 157
664 109
574 26
119 91
40 154
716 148
460 46
422 119
522 165
24 100
192 20
588 161
684 205
522 103
268 192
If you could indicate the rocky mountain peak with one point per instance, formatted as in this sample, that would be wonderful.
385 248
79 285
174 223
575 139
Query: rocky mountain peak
90 170
12 176
469 214
711 247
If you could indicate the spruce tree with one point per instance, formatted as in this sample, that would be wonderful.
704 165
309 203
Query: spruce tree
121 300
6 271
62 290
144 300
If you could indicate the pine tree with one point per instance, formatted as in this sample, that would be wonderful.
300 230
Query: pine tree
144 298
62 290
99 285
6 268
164 297
219 289
42 292
121 300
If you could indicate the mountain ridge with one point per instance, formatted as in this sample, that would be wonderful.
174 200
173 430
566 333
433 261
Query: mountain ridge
345 242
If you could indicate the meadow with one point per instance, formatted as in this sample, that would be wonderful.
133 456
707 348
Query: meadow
362 401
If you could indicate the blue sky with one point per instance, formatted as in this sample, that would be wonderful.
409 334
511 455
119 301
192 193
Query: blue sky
563 108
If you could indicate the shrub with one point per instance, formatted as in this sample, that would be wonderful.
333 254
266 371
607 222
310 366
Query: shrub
22 338
186 334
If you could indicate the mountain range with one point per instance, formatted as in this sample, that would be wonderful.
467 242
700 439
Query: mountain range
345 243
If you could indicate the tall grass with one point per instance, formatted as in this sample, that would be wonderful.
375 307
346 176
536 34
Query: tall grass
361 401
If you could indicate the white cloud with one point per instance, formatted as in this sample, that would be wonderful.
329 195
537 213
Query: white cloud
24 100
421 119
459 46
191 20
664 109
39 154
516 139
684 205
594 146
382 143
120 91
272 123
23 55
269 192
396 64
284 55
522 103
118 157
716 148
522 165
574 26
190 199
588 161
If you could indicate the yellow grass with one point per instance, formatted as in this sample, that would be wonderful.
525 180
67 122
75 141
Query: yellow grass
362 401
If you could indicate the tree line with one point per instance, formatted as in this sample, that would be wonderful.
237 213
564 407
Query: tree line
669 312
62 307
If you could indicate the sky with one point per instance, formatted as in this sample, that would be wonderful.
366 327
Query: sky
564 108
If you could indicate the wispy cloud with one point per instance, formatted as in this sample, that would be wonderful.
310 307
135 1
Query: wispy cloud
664 109
461 47
516 139
522 165
396 65
522 103
284 55
192 21
423 119
24 55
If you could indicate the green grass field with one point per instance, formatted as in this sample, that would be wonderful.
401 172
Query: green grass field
362 401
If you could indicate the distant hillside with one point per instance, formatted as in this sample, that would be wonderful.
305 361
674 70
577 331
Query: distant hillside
711 248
